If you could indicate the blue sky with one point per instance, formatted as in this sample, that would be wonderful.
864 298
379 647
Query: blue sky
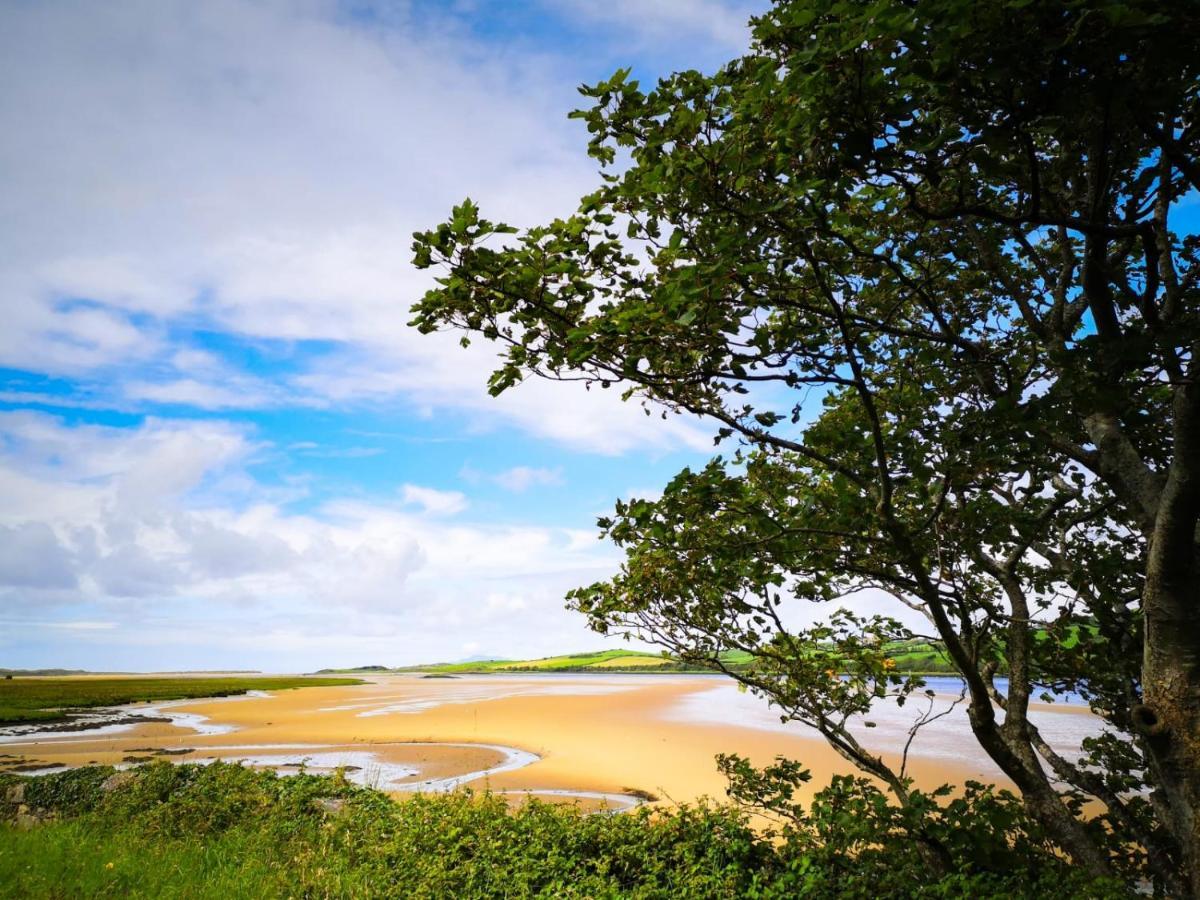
220 444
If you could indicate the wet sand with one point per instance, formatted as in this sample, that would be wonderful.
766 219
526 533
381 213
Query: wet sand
599 735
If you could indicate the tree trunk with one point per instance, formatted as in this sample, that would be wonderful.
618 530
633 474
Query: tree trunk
1169 716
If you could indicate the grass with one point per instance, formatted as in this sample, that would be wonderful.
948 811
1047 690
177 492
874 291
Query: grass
572 662
48 699
224 831
912 657
630 661
608 661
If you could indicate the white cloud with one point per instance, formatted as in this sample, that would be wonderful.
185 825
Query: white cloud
430 500
31 556
201 395
724 24
258 168
254 169
163 531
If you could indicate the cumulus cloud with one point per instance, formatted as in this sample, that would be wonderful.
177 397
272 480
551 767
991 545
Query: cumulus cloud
139 528
257 169
434 501
31 555
207 211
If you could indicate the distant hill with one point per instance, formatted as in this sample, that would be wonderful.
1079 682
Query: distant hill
913 657
594 661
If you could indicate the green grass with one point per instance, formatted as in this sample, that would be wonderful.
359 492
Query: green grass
603 661
224 831
46 699
912 657
565 663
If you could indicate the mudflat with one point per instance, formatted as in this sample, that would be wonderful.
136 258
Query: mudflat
589 738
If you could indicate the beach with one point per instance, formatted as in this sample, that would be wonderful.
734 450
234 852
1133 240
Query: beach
599 740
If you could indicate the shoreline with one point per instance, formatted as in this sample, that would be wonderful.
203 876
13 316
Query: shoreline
610 734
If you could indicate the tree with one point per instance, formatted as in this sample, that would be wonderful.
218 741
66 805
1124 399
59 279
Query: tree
918 261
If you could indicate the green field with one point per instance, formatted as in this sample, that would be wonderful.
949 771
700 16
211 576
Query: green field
598 661
46 699
912 657
564 663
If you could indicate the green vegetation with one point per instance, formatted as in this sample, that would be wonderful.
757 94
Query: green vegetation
910 657
47 699
226 831
606 660
926 268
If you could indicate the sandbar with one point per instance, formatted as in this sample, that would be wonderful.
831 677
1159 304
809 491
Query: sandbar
589 737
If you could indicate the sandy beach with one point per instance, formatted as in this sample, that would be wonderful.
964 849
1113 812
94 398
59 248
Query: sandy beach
588 738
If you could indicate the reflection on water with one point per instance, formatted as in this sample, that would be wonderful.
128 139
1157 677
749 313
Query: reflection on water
372 768
367 767
708 699
885 729
481 690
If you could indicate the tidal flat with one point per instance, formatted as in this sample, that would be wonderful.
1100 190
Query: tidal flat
602 741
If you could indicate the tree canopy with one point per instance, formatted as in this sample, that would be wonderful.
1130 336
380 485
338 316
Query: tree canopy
920 263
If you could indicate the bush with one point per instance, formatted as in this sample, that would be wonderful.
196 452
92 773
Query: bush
225 830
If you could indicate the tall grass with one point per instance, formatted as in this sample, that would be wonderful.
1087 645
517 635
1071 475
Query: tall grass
33 699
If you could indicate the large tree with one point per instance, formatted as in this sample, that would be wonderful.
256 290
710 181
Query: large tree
920 262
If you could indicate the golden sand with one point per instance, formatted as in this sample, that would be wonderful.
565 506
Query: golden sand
588 741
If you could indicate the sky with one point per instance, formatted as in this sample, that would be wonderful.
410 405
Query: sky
221 446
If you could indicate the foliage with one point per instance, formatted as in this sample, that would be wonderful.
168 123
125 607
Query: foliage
29 699
922 261
224 830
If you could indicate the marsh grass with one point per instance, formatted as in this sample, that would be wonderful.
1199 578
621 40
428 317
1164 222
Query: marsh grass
48 699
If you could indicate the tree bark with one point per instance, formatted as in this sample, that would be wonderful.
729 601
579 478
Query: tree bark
1169 716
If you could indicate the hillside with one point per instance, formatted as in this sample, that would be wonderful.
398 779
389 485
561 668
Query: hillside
603 660
913 657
